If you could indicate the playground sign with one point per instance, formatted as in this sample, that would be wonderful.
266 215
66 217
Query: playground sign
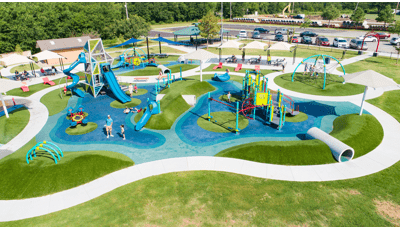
262 99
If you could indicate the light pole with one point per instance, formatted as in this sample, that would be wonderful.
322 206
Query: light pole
126 10
222 24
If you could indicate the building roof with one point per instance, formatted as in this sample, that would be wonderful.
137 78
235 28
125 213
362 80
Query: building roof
188 31
62 43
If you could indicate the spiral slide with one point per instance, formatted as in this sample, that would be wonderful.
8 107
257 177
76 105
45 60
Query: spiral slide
75 78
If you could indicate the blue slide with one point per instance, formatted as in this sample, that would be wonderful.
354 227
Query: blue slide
121 63
114 86
75 78
147 114
223 77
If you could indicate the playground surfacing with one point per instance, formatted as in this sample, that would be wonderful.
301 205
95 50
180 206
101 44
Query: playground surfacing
185 138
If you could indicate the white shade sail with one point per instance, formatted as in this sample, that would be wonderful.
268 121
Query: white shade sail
255 45
369 78
201 55
280 46
231 44
45 55
15 59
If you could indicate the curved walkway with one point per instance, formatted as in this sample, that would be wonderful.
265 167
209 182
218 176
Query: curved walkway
385 155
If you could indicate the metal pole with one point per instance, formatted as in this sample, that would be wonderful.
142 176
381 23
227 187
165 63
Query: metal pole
159 43
209 107
237 117
126 10
230 8
148 50
4 105
222 25
362 102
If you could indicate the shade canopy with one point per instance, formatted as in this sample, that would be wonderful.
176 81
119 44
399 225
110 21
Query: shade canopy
130 41
161 39
255 45
280 46
15 59
231 44
369 78
201 55
45 55
188 31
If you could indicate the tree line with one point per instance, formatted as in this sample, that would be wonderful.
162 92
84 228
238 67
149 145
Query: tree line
23 23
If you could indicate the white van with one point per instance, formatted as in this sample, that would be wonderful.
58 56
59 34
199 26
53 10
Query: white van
243 34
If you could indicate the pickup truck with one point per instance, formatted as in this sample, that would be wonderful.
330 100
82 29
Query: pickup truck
283 31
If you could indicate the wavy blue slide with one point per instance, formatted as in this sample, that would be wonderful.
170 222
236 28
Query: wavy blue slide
75 78
121 63
223 77
147 114
114 86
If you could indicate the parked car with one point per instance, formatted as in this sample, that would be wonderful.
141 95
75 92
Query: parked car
242 34
340 43
279 37
283 31
306 40
368 39
256 34
395 41
308 34
295 39
356 44
262 30
383 35
322 41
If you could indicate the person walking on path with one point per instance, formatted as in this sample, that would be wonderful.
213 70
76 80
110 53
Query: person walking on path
123 131
109 123
269 59
283 65
130 88
305 68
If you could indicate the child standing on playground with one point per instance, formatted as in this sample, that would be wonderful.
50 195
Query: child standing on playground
135 88
130 88
123 131
229 96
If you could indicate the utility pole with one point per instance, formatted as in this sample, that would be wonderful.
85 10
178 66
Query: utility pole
230 9
356 7
126 10
222 23
396 8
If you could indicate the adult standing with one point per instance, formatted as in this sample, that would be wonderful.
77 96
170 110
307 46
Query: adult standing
109 123
130 88
269 59
283 65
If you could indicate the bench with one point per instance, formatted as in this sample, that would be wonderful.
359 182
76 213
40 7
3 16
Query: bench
141 79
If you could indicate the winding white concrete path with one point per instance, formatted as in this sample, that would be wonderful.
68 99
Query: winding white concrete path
382 157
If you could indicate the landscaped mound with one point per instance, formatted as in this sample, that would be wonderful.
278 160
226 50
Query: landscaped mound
12 126
118 105
222 122
362 133
140 91
81 129
311 85
173 104
298 118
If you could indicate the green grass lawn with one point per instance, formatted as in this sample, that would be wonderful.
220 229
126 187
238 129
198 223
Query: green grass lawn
42 176
388 102
311 85
53 101
12 126
150 70
140 91
175 24
118 105
173 105
382 65
232 69
362 133
164 49
302 51
21 68
37 87
222 122
220 199
374 16
81 129
298 118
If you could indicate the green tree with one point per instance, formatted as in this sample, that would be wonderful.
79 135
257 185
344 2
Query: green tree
209 26
18 49
330 12
134 27
358 16
306 23
395 29
386 15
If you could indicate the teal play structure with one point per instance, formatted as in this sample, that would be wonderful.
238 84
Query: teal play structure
324 58
147 114
98 73
48 147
